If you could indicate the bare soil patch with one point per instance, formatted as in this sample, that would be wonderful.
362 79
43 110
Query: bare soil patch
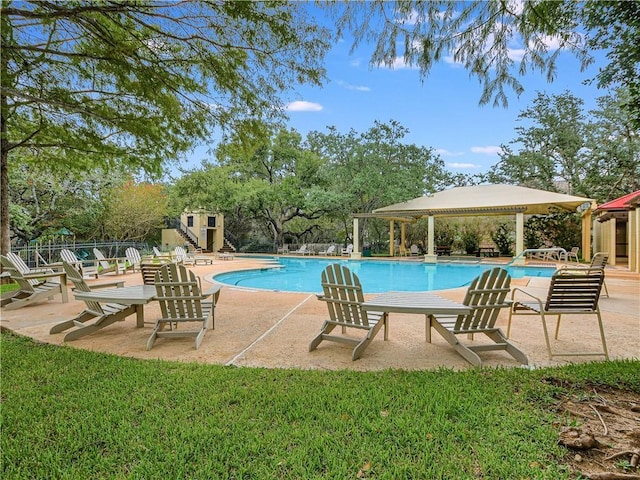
601 429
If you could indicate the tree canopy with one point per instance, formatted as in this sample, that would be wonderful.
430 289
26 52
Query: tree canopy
498 41
90 84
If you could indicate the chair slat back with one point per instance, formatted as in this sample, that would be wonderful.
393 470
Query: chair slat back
68 256
487 295
79 284
178 292
22 267
600 260
575 289
133 256
16 275
148 271
343 295
101 259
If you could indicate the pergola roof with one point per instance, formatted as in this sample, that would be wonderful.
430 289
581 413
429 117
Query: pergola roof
485 200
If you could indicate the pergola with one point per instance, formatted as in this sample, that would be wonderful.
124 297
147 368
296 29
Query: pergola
480 200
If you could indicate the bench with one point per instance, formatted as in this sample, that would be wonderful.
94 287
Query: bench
443 250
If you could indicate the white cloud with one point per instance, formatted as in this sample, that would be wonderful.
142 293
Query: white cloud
303 106
355 63
462 166
399 64
348 86
447 153
488 150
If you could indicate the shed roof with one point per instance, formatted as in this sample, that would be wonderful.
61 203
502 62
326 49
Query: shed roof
485 200
622 203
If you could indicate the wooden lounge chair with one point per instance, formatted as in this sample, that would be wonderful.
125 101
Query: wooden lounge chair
180 256
572 291
25 270
181 302
303 250
486 295
102 315
331 250
344 298
347 251
80 265
108 265
148 271
30 293
134 258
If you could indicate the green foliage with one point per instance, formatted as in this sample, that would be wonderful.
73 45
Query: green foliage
557 230
94 85
471 234
445 232
503 237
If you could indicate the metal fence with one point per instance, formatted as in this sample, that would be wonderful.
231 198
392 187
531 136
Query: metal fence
39 254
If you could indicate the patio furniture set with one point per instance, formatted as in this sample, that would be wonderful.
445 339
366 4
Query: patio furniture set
572 290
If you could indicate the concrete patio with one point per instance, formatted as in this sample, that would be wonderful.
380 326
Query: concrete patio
273 329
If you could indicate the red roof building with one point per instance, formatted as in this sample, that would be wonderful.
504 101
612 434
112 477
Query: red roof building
617 230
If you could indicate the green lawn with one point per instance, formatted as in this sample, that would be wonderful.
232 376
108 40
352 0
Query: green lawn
73 414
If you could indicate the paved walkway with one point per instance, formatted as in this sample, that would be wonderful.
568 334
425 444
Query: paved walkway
273 330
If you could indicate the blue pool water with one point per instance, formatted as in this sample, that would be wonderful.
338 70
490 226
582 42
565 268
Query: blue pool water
303 275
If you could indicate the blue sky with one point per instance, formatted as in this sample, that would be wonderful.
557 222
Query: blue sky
441 112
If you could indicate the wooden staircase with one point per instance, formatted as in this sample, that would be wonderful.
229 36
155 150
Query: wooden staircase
227 247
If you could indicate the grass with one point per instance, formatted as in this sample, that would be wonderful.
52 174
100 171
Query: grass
8 287
71 414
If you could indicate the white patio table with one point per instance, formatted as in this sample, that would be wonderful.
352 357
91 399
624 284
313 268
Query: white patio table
425 303
138 295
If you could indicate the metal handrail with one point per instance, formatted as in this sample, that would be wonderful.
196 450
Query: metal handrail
187 231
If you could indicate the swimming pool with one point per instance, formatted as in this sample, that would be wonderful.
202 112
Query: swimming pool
303 275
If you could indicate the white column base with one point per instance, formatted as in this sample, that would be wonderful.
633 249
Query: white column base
431 258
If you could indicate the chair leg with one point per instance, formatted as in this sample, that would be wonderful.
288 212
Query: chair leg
469 355
511 349
604 341
558 326
62 326
509 322
326 328
546 334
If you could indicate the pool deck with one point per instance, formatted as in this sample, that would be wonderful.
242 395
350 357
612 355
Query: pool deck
273 329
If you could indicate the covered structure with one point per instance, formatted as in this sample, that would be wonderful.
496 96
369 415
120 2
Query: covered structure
617 230
481 200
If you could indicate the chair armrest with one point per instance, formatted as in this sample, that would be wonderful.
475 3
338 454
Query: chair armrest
30 276
514 302
212 291
118 284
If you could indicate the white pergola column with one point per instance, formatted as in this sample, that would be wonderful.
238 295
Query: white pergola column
392 240
356 239
586 235
403 239
634 240
519 238
430 257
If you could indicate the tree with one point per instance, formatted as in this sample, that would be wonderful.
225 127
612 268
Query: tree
90 84
552 155
616 27
373 169
480 36
43 201
134 210
613 150
596 155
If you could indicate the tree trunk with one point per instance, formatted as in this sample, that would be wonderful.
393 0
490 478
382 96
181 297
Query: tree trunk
5 241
